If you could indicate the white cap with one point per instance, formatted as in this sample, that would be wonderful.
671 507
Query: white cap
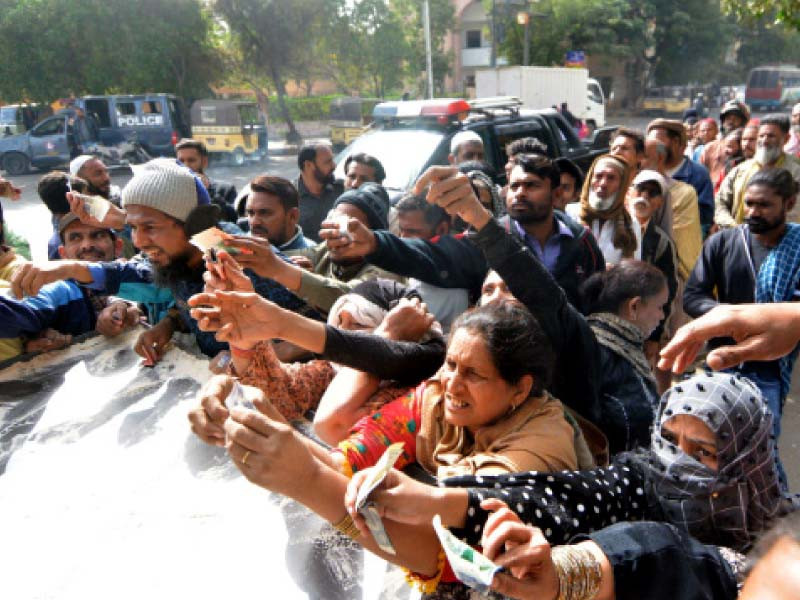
76 164
463 137
655 176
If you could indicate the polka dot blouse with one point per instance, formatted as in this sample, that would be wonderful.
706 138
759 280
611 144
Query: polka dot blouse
561 504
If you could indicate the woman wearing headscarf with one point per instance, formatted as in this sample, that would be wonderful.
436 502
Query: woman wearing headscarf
602 208
709 472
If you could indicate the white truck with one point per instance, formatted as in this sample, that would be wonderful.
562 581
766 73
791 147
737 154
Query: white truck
543 87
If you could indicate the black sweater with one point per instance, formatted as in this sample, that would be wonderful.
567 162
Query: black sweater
453 262
725 274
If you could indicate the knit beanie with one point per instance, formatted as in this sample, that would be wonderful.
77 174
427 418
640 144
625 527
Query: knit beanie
373 200
167 186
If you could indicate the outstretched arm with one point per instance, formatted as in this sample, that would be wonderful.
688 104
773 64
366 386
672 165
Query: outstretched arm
761 332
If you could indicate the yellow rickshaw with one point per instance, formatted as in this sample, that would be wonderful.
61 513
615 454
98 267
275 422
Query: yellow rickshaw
677 99
653 103
230 129
350 117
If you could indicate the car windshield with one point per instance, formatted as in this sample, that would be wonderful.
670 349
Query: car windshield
8 114
403 153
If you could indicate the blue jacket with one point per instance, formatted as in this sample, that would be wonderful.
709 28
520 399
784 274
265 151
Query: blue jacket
62 305
697 176
113 276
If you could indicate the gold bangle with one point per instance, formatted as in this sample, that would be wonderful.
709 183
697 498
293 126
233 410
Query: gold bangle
348 527
579 572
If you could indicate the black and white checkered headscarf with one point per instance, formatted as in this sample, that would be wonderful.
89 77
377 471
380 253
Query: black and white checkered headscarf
733 505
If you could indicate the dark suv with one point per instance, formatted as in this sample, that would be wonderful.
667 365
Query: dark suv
408 137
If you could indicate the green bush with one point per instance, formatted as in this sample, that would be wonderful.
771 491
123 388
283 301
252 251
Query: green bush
315 108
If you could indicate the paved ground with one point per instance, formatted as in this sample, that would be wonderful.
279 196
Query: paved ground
30 218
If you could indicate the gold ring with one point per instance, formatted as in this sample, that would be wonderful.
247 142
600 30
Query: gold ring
245 457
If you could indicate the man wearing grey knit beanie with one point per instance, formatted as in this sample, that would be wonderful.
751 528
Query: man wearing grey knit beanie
165 204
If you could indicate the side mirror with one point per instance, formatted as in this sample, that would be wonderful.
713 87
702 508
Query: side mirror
601 140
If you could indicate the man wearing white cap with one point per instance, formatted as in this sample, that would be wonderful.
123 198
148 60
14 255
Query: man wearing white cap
644 199
465 145
94 172
165 205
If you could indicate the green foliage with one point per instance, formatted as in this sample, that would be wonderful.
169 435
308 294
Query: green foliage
786 12
54 48
316 108
442 21
274 35
661 41
366 48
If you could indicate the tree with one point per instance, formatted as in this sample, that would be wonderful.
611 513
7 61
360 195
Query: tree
55 48
442 22
786 12
275 34
662 40
367 47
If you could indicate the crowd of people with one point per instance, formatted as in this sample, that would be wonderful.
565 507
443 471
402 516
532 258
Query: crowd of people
521 341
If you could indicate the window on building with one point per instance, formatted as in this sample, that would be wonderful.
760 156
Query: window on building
473 38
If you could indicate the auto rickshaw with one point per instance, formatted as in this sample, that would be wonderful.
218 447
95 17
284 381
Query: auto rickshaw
350 117
230 129
677 99
653 103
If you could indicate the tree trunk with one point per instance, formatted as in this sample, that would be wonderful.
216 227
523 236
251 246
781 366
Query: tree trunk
292 136
262 99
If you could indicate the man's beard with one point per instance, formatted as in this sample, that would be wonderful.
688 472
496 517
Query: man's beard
322 178
760 225
176 271
93 191
530 215
766 155
601 204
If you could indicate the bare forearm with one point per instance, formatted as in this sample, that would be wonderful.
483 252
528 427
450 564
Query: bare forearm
417 547
343 404
301 331
606 591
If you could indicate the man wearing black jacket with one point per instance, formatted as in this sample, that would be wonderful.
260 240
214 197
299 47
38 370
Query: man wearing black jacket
736 263
567 249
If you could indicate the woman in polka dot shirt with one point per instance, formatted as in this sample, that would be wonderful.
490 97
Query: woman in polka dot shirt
710 471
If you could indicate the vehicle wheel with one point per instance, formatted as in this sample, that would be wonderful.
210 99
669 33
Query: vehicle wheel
15 163
237 157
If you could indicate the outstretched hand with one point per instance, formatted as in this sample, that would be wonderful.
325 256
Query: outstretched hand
761 332
452 190
357 242
225 274
241 319
522 550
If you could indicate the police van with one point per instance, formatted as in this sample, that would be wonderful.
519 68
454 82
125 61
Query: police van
156 121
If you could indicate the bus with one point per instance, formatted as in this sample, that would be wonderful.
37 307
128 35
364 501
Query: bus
773 87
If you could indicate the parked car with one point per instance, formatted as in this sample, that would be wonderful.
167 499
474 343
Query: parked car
408 137
47 145
156 121
19 118
230 129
